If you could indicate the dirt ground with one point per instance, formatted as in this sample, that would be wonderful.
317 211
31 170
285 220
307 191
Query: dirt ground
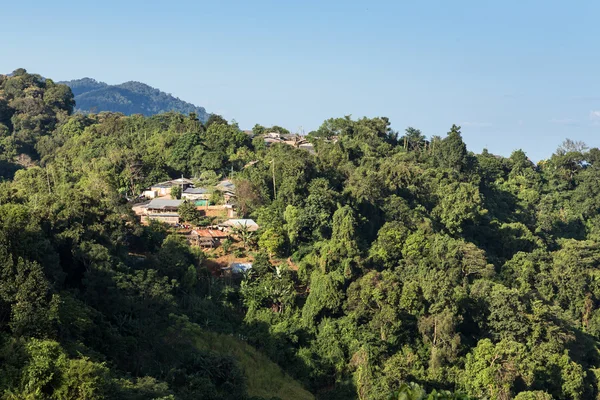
217 259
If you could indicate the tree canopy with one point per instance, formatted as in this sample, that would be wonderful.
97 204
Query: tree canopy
386 265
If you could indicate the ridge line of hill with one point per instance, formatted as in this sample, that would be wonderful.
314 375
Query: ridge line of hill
131 97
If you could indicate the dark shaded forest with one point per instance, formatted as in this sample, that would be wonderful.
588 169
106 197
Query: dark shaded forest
424 271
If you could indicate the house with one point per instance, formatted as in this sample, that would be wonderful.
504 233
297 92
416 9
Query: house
272 135
308 147
163 210
240 224
163 205
207 237
202 241
140 208
193 194
227 187
164 188
270 140
292 139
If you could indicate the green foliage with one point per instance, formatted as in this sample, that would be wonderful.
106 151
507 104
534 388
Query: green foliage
189 213
264 378
412 391
451 152
207 179
176 192
30 108
533 395
26 292
460 204
48 373
417 269
326 295
272 240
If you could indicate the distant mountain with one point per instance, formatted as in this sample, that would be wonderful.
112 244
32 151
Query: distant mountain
81 86
128 98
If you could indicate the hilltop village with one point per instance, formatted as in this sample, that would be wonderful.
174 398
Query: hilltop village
206 214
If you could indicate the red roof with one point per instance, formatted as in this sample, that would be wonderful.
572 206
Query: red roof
214 233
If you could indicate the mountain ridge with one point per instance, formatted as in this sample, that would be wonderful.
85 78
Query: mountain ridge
131 97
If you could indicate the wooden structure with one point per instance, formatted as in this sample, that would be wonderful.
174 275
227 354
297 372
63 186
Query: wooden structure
163 210
207 237
227 187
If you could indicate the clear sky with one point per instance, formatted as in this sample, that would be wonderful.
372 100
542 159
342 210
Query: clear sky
513 74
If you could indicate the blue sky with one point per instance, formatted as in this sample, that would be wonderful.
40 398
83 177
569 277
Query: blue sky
513 74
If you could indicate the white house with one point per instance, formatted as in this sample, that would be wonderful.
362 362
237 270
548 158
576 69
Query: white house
196 194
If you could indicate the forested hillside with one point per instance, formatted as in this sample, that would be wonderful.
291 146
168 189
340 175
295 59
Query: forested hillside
128 98
387 265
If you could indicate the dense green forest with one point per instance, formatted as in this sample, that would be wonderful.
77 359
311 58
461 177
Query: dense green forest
128 98
424 270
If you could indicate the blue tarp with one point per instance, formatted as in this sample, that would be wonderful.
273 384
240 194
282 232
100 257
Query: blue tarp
238 268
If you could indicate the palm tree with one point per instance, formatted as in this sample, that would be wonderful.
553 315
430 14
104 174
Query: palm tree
244 234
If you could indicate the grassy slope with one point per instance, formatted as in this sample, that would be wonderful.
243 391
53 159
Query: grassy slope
265 378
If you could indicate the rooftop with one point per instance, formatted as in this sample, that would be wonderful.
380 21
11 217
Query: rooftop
226 185
240 223
213 233
196 191
160 204
168 184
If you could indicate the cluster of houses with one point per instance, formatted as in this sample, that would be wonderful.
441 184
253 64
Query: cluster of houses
159 206
292 139
188 192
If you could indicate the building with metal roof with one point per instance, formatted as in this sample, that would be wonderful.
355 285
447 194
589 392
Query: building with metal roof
196 194
241 223
163 204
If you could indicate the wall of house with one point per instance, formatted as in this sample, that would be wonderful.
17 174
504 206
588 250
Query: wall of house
162 218
150 194
191 196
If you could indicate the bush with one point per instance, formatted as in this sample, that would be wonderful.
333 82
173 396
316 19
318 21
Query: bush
239 253
226 244
176 192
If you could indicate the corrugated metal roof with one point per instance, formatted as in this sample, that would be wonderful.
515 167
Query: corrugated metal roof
163 203
174 182
196 191
239 223
226 185
210 233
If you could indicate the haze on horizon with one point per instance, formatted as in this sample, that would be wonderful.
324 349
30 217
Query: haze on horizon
512 74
